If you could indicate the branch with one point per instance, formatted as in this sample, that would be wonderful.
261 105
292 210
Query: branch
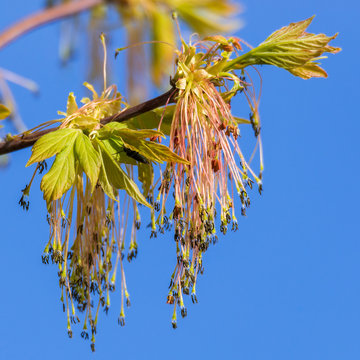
23 141
43 17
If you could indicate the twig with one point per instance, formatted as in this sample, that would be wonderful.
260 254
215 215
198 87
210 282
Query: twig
43 17
23 141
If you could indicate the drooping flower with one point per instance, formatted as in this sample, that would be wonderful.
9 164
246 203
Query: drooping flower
204 131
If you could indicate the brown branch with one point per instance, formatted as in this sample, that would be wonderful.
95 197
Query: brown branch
43 17
23 141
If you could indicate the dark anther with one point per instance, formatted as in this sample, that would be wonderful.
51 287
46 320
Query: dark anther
137 224
85 335
22 202
121 321
235 226
45 259
183 311
157 205
194 298
42 166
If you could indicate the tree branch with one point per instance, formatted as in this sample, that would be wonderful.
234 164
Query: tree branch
43 17
23 141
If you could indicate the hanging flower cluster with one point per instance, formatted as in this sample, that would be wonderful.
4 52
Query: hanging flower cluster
204 131
204 175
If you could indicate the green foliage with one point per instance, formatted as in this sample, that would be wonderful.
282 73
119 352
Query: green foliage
146 177
88 158
61 176
290 48
114 175
161 117
51 144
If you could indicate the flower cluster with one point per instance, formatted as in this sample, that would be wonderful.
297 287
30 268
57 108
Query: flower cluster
204 132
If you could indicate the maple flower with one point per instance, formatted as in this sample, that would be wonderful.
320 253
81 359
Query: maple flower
204 132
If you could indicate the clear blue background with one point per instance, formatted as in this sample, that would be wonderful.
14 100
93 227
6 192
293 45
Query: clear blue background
286 286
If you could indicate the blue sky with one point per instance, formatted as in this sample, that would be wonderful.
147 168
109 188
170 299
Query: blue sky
286 286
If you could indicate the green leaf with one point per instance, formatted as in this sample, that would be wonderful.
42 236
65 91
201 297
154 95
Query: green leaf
61 176
115 147
167 115
88 157
146 177
104 181
121 129
151 150
134 140
308 71
164 153
51 144
4 112
290 48
142 148
137 134
118 178
151 120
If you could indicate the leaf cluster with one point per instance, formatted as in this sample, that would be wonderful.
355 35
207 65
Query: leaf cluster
80 146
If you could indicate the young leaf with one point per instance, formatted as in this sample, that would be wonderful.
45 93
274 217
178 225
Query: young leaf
148 120
146 177
151 120
51 144
88 157
164 153
104 181
290 48
4 112
137 134
134 140
61 176
141 147
115 147
118 178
